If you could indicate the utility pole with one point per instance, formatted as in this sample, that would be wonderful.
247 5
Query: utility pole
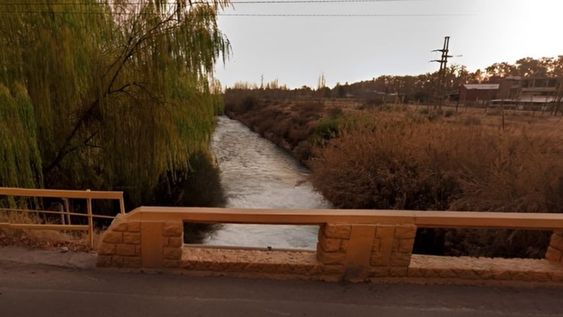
443 68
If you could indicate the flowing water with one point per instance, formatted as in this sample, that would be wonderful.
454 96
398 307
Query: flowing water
255 173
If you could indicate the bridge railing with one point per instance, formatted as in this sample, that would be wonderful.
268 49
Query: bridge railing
357 243
64 211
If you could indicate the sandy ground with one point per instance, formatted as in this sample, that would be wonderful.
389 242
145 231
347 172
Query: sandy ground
51 283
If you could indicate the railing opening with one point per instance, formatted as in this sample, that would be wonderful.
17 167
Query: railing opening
261 236
491 243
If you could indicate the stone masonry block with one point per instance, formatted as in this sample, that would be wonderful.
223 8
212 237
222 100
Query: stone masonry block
553 255
134 226
132 238
120 226
405 245
112 237
125 250
172 229
172 253
174 242
386 237
379 272
379 259
106 249
171 263
331 257
400 259
330 245
385 232
131 261
557 241
398 271
405 232
333 269
117 261
337 231
344 245
376 246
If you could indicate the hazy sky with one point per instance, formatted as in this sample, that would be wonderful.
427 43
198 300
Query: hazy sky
296 50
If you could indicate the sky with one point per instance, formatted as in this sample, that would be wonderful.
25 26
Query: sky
297 50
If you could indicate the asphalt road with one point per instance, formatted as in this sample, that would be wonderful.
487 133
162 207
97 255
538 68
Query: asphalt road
29 289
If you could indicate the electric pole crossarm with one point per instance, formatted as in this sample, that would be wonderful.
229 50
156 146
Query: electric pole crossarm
443 66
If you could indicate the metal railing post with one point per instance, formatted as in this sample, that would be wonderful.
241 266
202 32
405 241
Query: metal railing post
122 206
90 221
67 210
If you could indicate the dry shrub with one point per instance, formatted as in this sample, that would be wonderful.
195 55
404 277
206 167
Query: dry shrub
310 108
404 163
42 239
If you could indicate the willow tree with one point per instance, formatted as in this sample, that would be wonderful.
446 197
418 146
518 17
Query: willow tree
109 94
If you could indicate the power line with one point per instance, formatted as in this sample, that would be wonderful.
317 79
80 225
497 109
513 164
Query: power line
13 9
247 14
204 2
333 15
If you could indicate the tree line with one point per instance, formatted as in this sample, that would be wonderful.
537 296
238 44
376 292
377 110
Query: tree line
424 87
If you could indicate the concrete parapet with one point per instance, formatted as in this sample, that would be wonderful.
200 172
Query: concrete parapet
365 246
132 243
364 251
554 252
120 245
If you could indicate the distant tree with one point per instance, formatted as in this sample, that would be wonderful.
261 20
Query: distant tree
321 82
501 70
530 67
341 91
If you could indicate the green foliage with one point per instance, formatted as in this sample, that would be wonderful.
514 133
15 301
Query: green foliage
119 95
326 129
19 154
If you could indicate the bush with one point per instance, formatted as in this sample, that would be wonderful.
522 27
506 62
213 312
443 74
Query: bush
198 187
374 102
387 163
248 103
326 129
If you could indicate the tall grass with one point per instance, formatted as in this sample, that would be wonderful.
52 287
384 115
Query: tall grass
386 162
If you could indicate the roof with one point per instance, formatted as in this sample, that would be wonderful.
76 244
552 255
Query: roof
528 99
482 86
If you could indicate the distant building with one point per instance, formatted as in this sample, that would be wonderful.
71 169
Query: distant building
478 93
513 90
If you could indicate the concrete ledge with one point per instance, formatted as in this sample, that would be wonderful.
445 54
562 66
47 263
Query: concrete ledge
304 265
252 261
469 268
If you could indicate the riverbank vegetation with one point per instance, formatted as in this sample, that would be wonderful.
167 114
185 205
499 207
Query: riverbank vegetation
417 164
110 95
414 157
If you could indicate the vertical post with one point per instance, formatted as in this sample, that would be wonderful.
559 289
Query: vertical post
442 72
121 205
67 210
62 210
502 114
90 221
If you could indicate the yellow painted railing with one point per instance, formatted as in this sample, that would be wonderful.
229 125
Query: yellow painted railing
421 219
65 212
356 244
